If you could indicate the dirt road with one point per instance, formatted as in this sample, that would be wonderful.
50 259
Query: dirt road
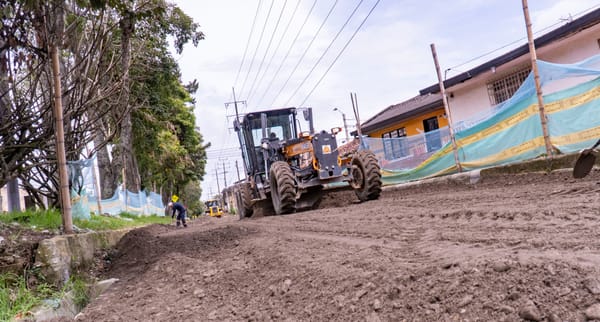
509 248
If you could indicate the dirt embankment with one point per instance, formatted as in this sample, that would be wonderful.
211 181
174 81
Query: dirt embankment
509 248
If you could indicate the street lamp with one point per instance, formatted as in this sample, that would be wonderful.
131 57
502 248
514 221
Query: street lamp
345 125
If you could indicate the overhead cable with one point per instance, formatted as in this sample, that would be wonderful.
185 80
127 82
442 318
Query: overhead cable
288 53
340 53
247 43
304 53
276 50
257 46
266 50
519 40
327 49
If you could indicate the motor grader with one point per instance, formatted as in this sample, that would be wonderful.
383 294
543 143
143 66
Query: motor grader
213 208
288 165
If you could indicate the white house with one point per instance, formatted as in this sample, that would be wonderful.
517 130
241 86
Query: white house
473 94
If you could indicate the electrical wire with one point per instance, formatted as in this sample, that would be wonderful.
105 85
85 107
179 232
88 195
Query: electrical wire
519 40
266 50
340 53
247 43
287 53
276 50
326 50
221 154
304 53
257 46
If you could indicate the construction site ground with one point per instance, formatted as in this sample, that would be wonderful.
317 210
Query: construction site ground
510 247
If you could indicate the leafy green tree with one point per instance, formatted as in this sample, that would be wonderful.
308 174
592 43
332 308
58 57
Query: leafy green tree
169 148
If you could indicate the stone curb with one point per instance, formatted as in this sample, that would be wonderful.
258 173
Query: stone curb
65 309
58 256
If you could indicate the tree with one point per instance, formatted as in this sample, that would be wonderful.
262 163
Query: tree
146 25
100 88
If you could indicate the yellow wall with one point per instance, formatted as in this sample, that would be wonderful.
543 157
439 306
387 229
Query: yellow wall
413 124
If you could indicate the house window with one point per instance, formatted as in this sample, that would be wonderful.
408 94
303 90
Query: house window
394 144
432 134
502 89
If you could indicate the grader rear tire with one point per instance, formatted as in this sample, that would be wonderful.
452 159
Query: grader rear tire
238 204
366 176
244 200
283 188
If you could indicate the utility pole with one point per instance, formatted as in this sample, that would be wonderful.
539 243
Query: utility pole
224 175
345 124
356 114
237 118
237 168
217 177
235 103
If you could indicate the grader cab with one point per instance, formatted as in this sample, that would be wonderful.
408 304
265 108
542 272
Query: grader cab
288 164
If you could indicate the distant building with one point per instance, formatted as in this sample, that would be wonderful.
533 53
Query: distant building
474 93
4 203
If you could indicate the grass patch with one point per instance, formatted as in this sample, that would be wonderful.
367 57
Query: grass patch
117 222
81 291
42 219
16 299
51 219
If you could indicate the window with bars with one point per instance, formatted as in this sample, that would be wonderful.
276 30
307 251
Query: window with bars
502 89
394 145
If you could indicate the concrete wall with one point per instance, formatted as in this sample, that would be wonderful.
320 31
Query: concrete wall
59 256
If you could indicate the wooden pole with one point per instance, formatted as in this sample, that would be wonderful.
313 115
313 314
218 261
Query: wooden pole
65 195
97 187
356 114
124 176
446 107
536 77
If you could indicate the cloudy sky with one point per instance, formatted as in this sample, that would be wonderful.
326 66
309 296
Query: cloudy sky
281 53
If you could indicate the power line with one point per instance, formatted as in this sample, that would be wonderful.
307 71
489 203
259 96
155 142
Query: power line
519 40
262 62
305 51
340 53
257 46
247 43
327 50
276 48
288 52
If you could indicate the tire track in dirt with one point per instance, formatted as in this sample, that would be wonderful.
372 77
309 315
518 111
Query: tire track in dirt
440 252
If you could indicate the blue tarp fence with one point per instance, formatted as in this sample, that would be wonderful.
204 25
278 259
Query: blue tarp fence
84 195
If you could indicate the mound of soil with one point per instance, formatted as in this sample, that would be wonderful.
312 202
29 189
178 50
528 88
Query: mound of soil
509 248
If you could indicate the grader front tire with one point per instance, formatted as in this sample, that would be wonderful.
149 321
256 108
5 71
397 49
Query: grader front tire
366 176
283 188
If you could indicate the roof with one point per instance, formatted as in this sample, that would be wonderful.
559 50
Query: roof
429 98
398 112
